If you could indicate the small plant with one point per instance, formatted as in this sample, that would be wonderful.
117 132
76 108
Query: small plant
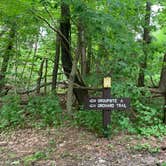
163 164
146 147
39 155
11 113
44 110
90 119
52 142
121 122
16 162
29 160
41 111
156 130
111 146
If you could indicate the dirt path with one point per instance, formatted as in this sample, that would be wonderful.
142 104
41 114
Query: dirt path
76 147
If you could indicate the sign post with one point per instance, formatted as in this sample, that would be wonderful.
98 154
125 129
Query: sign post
107 103
106 113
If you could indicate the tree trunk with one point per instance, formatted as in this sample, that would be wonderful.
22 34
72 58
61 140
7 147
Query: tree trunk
40 77
89 55
164 119
82 47
71 84
66 52
65 46
162 84
56 63
146 41
45 76
33 61
25 63
6 57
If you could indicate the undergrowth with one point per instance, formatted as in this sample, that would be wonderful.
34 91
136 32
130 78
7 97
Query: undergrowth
45 111
41 111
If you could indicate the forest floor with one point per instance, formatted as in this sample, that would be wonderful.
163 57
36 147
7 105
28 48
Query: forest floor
71 146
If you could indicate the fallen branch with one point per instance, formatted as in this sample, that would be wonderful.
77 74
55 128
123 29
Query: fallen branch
156 91
77 86
34 89
157 95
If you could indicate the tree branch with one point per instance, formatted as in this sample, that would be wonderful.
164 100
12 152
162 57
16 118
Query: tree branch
50 26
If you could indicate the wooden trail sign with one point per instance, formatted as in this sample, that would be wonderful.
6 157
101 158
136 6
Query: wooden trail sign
107 103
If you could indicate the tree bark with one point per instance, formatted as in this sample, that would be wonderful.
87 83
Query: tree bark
66 52
40 77
162 86
162 83
71 84
65 44
82 47
164 119
56 63
45 76
146 41
33 61
89 55
6 56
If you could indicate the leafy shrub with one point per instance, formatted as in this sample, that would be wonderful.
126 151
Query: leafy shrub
163 164
147 115
121 122
41 111
148 112
155 130
146 147
10 113
44 110
92 120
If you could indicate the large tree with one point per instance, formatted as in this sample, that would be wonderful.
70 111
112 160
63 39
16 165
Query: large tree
7 54
146 41
66 51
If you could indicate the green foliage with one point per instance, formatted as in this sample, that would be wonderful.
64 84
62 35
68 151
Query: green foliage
92 120
28 160
41 111
11 114
121 122
115 30
146 147
147 115
155 130
163 164
44 110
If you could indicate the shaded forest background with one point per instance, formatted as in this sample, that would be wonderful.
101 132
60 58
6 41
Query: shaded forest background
56 53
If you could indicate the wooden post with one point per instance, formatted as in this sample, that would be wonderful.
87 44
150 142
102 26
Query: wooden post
107 103
106 113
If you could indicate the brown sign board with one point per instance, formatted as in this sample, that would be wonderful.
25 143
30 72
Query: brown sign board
107 103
